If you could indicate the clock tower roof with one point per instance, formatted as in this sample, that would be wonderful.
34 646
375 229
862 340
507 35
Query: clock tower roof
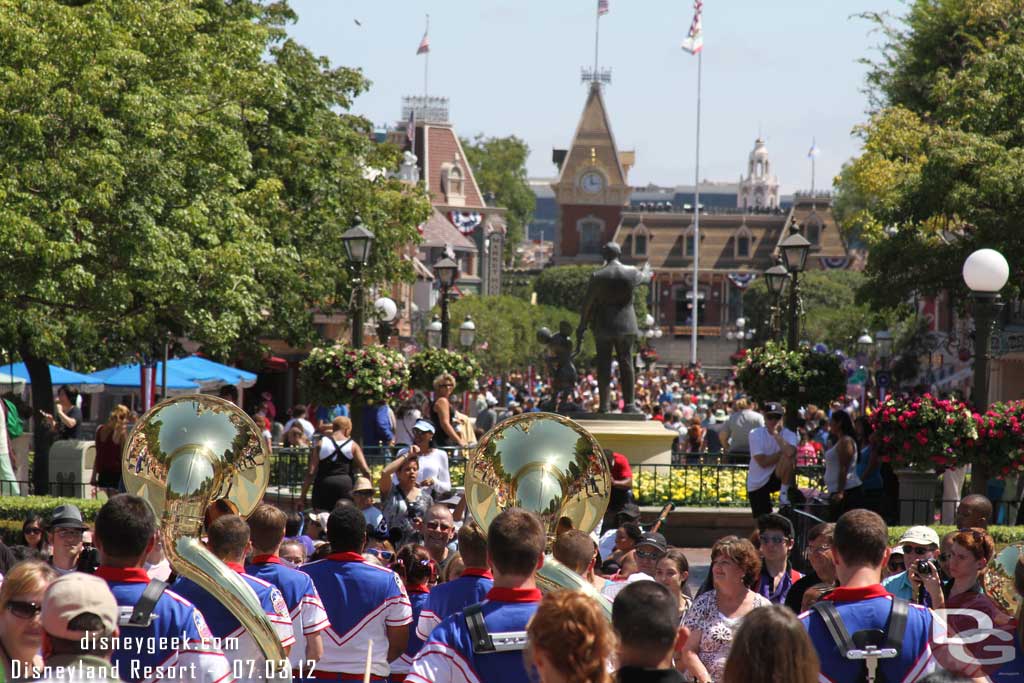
593 150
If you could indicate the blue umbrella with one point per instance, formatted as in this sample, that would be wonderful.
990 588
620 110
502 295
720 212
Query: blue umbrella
86 384
202 369
127 376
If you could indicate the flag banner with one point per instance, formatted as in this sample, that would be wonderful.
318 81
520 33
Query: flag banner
602 7
465 221
410 128
742 280
424 47
834 262
694 42
813 151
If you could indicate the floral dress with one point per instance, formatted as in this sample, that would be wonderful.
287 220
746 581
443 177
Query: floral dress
716 631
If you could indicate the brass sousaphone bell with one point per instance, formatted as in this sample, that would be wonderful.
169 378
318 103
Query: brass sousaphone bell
184 454
547 464
1002 577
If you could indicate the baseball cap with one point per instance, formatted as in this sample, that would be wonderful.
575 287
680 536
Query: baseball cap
897 550
362 484
653 538
66 516
920 535
720 415
73 595
424 426
773 408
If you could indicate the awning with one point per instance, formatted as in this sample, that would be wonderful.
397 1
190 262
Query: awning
10 383
199 369
86 384
128 377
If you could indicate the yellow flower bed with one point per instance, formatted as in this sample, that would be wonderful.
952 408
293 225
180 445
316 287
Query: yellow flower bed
698 486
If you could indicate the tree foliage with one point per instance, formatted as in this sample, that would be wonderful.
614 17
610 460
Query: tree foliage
499 166
942 172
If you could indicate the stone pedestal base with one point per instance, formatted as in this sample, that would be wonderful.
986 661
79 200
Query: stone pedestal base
642 442
917 497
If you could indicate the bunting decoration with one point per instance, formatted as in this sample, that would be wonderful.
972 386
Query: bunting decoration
742 280
465 221
834 262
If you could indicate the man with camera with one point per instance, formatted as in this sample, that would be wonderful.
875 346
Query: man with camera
920 545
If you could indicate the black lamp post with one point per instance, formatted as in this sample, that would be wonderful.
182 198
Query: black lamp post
985 272
776 278
794 256
447 272
358 241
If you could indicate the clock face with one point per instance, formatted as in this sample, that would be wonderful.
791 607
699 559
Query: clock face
592 182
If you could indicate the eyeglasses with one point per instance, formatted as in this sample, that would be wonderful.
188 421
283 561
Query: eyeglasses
650 554
774 540
24 610
439 526
822 549
32 531
385 555
913 550
70 533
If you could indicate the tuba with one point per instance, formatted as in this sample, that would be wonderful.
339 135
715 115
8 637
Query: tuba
547 464
183 455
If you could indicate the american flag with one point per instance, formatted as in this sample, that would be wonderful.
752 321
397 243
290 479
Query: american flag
602 7
813 151
410 129
694 42
424 44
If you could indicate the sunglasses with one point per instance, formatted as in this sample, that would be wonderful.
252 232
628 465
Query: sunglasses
773 540
385 555
897 566
439 526
32 531
24 610
650 554
909 550
70 533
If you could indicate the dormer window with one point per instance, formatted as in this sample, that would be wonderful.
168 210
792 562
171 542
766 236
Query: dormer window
812 230
453 183
742 243
640 238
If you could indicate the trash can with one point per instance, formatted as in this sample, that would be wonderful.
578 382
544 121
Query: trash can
71 464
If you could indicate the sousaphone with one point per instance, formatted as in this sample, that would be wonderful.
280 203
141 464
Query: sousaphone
183 455
1004 577
547 464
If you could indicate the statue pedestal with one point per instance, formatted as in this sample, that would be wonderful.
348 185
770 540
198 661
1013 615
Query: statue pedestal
643 442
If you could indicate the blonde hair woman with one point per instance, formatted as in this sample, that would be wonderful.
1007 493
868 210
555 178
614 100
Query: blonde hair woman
21 634
570 640
442 413
110 438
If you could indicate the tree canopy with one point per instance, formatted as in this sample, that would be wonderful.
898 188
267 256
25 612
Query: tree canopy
499 166
942 172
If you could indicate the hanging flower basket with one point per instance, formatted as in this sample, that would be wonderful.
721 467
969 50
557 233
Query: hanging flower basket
796 378
340 374
429 363
1000 442
924 433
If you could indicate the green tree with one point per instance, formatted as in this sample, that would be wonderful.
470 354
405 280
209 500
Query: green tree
177 169
942 171
565 287
499 166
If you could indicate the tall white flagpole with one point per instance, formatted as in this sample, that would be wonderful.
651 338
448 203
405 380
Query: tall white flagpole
426 64
696 225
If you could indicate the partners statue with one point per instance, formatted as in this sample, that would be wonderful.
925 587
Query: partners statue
561 368
608 309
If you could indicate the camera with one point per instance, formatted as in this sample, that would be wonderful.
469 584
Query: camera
924 567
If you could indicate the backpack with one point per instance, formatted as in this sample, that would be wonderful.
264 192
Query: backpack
868 646
15 427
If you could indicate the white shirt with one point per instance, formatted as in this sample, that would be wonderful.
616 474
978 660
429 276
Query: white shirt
832 472
327 446
433 465
763 443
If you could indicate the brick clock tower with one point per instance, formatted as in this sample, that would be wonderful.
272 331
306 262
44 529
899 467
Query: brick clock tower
591 189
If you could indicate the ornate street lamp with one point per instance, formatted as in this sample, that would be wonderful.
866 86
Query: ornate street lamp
387 311
985 272
434 333
447 272
467 332
794 251
358 241
776 279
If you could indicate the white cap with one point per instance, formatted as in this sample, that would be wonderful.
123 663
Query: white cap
921 535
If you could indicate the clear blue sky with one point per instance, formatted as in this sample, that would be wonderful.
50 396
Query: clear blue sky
788 68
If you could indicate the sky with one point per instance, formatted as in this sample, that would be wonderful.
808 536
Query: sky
788 69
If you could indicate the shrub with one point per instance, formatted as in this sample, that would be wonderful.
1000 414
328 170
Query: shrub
923 433
797 378
340 374
429 363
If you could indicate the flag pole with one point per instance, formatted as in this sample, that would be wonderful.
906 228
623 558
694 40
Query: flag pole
597 34
696 223
426 65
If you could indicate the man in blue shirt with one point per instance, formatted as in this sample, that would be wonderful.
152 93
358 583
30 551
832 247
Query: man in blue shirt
378 428
918 543
516 541
859 551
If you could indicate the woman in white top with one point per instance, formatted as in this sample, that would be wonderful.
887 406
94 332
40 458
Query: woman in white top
844 487
331 466
433 472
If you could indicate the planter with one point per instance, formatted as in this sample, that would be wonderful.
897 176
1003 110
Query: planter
917 496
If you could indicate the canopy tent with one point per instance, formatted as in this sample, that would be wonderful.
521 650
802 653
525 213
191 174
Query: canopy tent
128 377
86 384
10 383
204 370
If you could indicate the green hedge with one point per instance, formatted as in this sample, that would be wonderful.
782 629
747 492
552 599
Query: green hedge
1002 535
17 507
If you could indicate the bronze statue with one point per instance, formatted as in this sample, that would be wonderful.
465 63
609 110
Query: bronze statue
608 309
562 370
